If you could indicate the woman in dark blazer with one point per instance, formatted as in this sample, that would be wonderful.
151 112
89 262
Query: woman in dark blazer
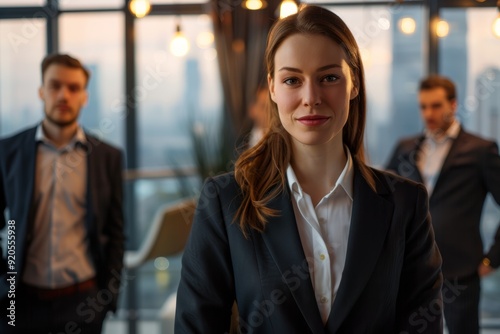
304 236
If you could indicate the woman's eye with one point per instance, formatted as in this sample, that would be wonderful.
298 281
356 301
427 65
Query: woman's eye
330 78
291 81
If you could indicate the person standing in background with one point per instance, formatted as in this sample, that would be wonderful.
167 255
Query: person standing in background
458 169
62 191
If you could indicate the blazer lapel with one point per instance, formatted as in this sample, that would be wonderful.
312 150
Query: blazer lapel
370 220
456 145
283 241
92 186
29 160
28 165
416 175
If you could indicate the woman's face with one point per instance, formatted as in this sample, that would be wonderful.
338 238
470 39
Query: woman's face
312 87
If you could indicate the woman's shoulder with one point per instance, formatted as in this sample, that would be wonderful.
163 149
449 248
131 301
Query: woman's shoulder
222 180
395 184
223 185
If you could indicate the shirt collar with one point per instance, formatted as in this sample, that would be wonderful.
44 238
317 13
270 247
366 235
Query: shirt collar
79 138
451 133
345 179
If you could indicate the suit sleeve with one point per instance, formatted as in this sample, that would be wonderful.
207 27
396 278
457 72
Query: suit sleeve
491 176
206 290
419 300
114 230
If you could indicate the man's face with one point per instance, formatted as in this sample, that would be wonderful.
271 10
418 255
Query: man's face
63 93
438 113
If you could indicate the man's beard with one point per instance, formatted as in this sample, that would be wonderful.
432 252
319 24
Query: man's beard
61 123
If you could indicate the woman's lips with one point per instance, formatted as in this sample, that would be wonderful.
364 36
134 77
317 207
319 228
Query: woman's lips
313 120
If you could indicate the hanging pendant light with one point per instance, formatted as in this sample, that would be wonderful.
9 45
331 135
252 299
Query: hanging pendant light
496 23
179 46
287 8
407 25
442 28
254 4
139 8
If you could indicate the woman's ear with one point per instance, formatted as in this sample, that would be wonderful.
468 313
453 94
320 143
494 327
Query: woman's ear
354 90
270 84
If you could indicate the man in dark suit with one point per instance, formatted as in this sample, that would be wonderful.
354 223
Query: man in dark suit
459 170
61 211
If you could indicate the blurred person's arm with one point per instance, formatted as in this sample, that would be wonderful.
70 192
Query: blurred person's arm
491 176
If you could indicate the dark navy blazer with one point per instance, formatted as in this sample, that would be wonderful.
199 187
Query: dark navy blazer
392 269
470 170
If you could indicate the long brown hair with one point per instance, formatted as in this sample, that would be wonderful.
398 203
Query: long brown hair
261 170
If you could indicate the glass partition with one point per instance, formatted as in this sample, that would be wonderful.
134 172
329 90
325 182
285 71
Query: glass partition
22 48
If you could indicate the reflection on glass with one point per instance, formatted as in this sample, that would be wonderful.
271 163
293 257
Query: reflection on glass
97 40
22 48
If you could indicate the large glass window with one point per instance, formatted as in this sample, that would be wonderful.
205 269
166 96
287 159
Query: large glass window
394 63
97 40
21 3
85 4
22 48
175 96
179 96
469 55
174 93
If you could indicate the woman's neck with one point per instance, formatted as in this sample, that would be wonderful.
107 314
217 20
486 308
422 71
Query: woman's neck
318 168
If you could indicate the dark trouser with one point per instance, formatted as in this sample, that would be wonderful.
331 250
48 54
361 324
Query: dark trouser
461 304
35 313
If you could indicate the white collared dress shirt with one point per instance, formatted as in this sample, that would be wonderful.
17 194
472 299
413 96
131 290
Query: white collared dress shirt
58 255
324 232
433 151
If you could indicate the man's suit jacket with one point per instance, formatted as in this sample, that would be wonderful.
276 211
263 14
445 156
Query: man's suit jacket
470 170
104 219
392 266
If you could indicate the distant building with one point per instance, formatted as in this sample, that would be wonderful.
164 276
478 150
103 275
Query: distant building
487 98
91 113
453 57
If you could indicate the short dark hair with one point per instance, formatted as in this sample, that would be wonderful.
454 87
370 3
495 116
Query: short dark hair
65 60
439 81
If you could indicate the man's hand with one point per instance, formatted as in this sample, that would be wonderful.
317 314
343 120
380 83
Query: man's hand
484 268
